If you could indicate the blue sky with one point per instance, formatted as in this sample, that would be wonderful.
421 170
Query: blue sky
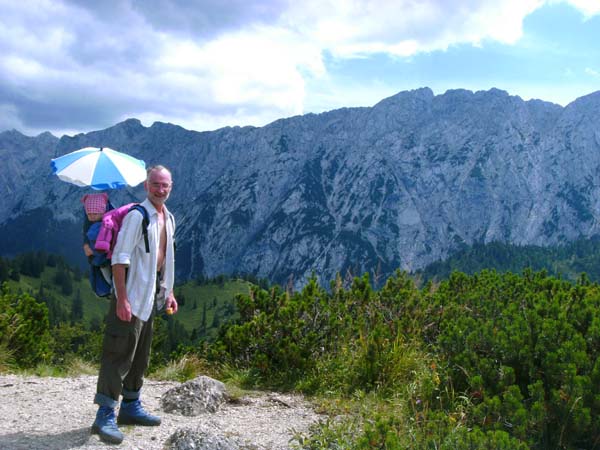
76 66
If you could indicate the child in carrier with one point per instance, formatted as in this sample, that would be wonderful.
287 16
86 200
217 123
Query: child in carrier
95 206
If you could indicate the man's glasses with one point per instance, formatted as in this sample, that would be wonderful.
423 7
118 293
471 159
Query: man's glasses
161 185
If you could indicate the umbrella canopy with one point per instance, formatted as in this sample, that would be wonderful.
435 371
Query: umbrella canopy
99 168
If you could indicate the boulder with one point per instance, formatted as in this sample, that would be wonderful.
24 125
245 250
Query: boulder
200 395
186 439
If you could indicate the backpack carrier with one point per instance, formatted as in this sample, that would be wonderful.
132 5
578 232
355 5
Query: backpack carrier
103 237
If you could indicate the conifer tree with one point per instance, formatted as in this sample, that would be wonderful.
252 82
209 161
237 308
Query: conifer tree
77 307
4 270
203 320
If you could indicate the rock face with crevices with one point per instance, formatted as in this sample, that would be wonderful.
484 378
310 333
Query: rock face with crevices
200 395
397 185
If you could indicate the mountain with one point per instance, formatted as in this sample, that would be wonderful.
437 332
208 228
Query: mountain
397 185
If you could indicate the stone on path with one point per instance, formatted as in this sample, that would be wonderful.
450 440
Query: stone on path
187 439
200 395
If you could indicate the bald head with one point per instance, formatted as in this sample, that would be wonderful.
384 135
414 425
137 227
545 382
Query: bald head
158 185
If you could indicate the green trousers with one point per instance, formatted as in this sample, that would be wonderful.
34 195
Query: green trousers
125 357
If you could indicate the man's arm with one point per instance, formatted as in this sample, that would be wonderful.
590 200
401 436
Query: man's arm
123 306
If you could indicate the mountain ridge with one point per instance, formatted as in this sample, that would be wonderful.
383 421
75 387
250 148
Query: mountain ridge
397 185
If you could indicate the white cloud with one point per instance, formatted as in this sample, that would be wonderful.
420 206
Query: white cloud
592 72
94 63
588 7
349 28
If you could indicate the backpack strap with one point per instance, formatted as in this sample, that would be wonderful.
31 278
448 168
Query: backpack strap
145 222
172 219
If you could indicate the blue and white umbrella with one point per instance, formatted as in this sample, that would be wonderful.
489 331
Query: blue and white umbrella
99 168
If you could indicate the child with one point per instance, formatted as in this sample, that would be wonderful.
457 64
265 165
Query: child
95 206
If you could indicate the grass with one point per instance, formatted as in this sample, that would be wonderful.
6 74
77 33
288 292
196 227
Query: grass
347 419
7 360
186 368
74 367
214 296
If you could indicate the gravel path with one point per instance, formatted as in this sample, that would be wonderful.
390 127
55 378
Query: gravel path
57 413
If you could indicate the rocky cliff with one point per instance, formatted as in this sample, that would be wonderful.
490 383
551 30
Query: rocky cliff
397 185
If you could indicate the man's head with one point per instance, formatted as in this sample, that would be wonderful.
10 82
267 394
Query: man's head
158 185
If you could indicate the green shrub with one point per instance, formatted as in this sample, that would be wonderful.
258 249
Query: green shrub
24 328
7 359
513 358
524 349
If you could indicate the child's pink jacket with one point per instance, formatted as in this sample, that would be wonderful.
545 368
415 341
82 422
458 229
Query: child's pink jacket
111 223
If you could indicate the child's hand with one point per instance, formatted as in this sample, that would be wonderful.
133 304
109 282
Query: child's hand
87 250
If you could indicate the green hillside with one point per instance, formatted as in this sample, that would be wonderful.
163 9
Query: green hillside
204 305
94 308
567 261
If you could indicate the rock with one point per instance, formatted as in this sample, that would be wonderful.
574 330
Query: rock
187 439
200 395
398 185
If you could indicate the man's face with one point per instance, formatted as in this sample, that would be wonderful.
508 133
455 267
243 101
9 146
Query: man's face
158 185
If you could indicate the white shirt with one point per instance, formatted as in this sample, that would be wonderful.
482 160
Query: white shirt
141 275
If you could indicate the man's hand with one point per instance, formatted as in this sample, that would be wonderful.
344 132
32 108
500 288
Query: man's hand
171 304
124 310
123 306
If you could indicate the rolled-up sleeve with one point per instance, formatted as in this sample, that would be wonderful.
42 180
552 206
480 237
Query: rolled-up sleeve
128 238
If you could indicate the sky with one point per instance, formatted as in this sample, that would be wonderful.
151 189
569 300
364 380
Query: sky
76 66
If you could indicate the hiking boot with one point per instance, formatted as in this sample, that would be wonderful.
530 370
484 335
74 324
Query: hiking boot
105 426
133 413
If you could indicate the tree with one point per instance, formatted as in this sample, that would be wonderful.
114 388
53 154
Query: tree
41 295
180 298
216 322
220 280
63 280
57 310
14 275
77 274
177 335
77 307
229 308
52 260
95 324
203 320
4 270
32 264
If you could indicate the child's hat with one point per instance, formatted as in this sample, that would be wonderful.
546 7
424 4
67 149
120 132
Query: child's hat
95 203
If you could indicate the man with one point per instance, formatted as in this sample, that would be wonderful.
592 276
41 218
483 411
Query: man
143 284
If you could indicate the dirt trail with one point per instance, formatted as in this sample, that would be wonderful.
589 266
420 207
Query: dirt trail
57 413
